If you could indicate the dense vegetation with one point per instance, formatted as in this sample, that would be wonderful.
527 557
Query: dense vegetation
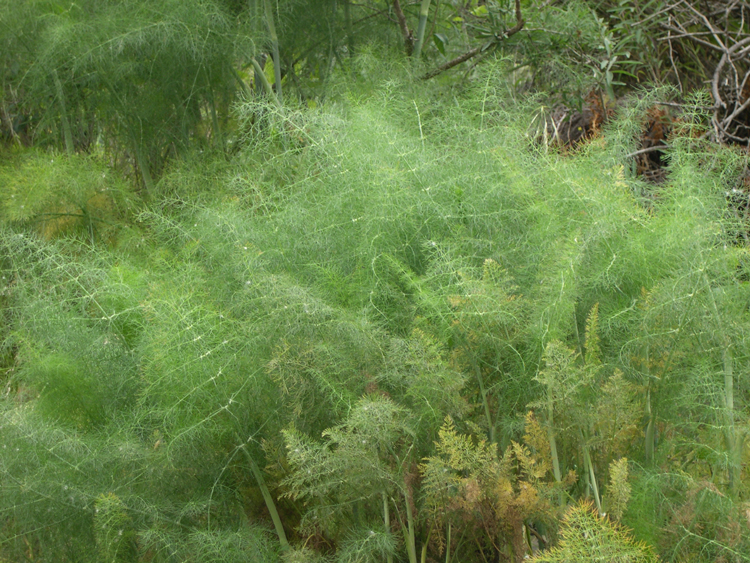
361 293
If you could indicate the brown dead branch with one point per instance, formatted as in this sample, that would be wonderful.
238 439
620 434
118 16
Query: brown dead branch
714 26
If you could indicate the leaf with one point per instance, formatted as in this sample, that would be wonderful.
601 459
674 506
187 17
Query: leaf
440 40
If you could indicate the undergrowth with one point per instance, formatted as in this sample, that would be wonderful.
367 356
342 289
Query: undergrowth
394 328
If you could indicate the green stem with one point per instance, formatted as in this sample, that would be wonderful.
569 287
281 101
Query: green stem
655 382
143 167
589 467
650 429
733 441
411 546
89 224
730 437
485 402
217 133
434 20
553 441
268 499
257 9
448 545
527 537
424 10
387 522
67 134
423 558
266 84
651 425
275 49
240 82
734 467
348 26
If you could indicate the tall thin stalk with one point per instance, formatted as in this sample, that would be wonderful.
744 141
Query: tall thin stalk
485 401
553 440
424 10
67 134
653 385
264 82
387 522
348 27
651 422
731 439
411 546
274 48
650 437
268 500
448 545
142 162
217 134
589 468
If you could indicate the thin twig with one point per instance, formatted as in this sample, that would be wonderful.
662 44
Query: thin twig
689 35
707 23
648 149
671 59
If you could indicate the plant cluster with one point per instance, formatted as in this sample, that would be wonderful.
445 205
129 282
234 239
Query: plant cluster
359 340
335 296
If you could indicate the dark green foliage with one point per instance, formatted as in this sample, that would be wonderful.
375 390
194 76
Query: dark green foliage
147 80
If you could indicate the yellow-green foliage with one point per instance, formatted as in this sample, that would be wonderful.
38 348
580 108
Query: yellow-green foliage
353 464
113 530
58 194
618 414
593 350
469 484
537 439
588 537
586 399
619 488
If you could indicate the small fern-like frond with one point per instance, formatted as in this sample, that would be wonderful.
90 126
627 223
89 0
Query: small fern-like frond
586 536
593 348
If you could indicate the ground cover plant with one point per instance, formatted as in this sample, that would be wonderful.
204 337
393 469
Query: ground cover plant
361 340
403 287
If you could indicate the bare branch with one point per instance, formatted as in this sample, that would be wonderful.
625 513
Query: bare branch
648 149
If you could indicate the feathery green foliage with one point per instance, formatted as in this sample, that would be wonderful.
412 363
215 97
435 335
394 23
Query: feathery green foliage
619 489
336 333
588 537
65 194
